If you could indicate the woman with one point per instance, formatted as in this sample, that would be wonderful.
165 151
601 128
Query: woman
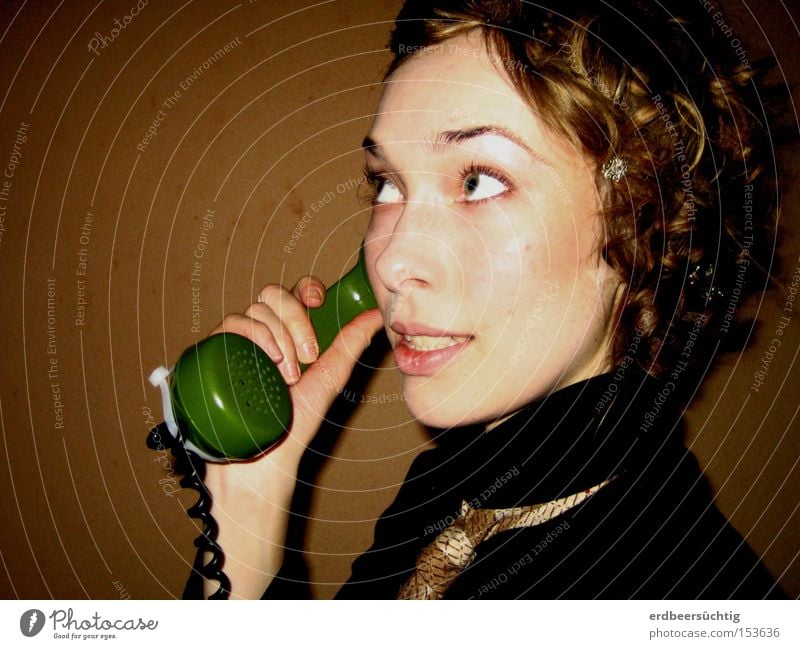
556 235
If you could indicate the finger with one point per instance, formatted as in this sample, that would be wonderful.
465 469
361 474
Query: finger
244 326
264 335
333 369
287 359
310 291
294 317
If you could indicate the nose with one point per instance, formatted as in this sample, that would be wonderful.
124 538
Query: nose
411 253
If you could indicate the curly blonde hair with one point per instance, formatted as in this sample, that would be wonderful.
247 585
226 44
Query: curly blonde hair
667 88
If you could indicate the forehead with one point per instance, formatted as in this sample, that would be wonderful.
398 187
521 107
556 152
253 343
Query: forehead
456 83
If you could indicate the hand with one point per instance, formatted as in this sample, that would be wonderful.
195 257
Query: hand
250 500
279 324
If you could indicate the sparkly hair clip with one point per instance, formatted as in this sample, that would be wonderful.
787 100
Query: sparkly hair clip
615 169
701 280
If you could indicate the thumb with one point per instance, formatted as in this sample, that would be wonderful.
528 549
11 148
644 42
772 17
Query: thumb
327 376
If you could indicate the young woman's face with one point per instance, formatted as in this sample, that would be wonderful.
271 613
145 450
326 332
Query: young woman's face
483 243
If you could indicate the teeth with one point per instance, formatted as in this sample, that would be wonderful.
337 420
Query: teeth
429 343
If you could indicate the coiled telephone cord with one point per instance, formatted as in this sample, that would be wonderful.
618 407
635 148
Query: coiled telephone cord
193 469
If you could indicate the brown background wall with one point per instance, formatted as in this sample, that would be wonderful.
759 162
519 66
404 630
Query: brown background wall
260 135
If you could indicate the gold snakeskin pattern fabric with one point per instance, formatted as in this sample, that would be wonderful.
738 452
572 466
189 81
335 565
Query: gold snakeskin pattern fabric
454 548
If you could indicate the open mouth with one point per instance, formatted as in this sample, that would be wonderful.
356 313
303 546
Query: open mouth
432 343
419 355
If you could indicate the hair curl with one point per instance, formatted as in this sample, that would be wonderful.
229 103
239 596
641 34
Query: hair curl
667 87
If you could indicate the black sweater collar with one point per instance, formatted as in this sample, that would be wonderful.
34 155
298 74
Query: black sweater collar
563 443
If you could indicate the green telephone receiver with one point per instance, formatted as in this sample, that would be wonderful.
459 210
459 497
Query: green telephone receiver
228 399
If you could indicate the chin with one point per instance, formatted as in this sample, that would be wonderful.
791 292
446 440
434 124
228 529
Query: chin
443 415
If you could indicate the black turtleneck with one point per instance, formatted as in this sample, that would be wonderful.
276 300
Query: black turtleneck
653 532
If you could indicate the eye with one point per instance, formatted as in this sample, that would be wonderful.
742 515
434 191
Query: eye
386 191
480 184
382 190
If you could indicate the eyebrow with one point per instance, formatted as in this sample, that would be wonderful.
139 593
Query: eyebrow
442 140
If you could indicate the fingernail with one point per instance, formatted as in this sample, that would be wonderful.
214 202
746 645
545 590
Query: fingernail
310 349
274 352
293 372
314 295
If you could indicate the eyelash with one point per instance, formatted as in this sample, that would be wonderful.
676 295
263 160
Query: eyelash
372 177
472 168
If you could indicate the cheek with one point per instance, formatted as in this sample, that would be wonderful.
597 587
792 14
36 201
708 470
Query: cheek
572 252
374 245
520 268
495 277
551 264
548 287
376 240
380 226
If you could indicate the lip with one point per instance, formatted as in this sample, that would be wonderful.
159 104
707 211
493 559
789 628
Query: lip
414 362
413 329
